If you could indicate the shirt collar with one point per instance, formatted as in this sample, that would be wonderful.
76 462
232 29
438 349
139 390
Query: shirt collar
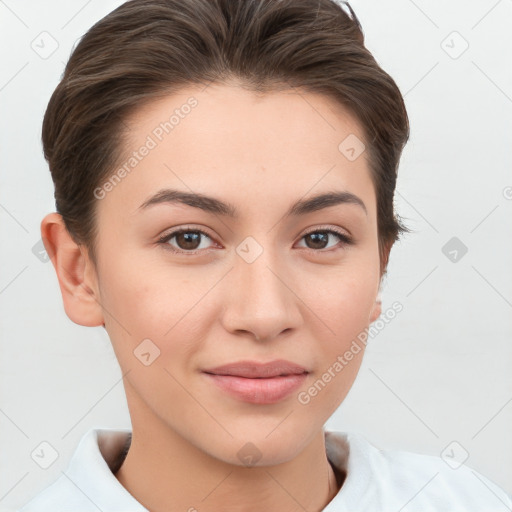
350 452
90 469
99 455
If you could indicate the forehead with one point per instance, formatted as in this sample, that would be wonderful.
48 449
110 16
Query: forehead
229 142
228 109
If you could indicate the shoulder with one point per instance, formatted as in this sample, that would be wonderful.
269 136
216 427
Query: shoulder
428 482
62 492
88 484
436 481
408 481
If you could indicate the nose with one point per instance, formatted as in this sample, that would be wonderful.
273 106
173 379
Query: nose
261 299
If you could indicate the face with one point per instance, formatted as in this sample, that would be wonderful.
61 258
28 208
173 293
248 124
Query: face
252 280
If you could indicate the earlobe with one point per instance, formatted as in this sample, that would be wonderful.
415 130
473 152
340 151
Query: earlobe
75 273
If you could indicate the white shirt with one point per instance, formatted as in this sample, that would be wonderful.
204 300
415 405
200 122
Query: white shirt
376 480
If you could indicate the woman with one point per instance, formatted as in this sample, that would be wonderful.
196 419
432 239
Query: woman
224 174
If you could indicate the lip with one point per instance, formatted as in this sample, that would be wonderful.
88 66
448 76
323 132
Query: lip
268 390
255 369
258 383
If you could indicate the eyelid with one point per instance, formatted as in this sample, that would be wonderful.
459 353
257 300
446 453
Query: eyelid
187 227
336 229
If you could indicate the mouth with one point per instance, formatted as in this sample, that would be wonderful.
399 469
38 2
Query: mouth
257 370
258 383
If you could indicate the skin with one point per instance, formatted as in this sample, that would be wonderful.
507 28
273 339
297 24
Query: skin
307 305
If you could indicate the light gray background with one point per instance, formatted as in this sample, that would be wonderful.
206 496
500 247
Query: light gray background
438 373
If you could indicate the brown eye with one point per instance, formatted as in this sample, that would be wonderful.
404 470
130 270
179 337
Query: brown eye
319 239
186 240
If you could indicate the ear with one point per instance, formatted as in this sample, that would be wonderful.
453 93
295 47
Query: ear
384 251
75 272
377 309
384 258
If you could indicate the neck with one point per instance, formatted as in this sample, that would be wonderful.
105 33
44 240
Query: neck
164 472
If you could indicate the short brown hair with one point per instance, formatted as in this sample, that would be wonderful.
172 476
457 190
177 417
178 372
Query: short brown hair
149 48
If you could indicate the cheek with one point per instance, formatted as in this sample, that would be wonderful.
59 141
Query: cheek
342 303
344 308
165 305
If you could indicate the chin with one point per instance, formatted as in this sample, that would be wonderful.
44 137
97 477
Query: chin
259 447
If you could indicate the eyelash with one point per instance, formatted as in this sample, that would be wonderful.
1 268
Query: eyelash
345 239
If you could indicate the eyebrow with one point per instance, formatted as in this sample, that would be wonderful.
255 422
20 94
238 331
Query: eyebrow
218 207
